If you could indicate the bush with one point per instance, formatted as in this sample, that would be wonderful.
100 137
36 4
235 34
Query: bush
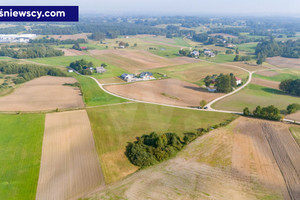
246 111
292 108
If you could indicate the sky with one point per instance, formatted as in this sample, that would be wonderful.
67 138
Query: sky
177 7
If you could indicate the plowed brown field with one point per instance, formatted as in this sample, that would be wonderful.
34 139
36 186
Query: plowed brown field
44 93
69 163
266 83
168 91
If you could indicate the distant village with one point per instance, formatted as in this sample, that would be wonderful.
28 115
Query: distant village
11 38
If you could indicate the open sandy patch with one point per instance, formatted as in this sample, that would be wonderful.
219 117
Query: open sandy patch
44 93
69 163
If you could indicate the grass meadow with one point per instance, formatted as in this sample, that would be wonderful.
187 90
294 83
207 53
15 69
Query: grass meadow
93 95
295 130
283 75
21 139
114 126
253 95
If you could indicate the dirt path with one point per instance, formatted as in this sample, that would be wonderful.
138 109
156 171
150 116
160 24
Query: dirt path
69 163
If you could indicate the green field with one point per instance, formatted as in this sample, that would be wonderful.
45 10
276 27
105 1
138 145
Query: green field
254 95
114 126
295 130
65 60
93 95
284 75
165 51
221 58
247 47
181 42
21 139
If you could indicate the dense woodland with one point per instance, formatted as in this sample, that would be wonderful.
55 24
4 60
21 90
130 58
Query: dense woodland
30 51
47 40
28 72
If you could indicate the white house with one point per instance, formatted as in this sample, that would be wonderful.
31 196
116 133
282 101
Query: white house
209 53
211 89
70 70
238 81
127 77
195 53
100 70
146 75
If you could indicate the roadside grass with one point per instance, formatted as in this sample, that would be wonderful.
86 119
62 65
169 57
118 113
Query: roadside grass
93 95
65 60
114 126
295 130
21 139
284 75
253 95
195 72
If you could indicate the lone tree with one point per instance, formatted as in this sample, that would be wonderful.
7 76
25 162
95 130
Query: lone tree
207 81
203 103
246 111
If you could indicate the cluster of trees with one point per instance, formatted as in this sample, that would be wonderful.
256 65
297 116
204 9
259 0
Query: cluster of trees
28 72
46 40
153 148
12 29
31 51
271 48
82 66
269 112
291 86
241 58
223 83
292 108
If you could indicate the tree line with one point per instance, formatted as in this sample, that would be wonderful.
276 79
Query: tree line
30 51
269 112
46 40
28 72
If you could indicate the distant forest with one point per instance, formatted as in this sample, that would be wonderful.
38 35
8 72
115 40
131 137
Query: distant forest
29 51
28 72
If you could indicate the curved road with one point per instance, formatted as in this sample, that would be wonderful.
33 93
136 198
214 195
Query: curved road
209 108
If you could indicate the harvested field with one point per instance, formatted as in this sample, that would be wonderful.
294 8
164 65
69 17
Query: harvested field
203 171
72 37
133 60
44 93
69 163
292 63
250 67
295 116
268 73
266 83
167 91
73 52
184 60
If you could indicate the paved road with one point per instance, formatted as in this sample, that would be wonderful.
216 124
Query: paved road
209 108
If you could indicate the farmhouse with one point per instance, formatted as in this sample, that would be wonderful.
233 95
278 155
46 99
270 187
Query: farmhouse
70 70
10 38
238 81
211 89
146 75
121 45
195 53
100 70
209 53
83 48
127 77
